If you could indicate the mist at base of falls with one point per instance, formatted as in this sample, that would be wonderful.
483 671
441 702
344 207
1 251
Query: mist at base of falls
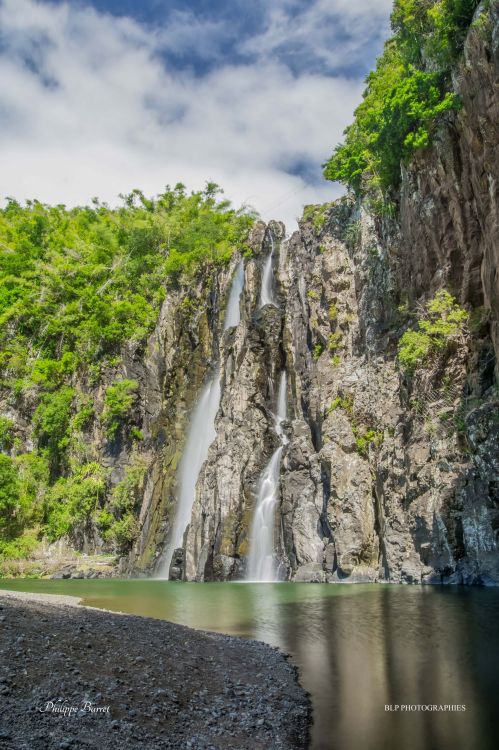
261 563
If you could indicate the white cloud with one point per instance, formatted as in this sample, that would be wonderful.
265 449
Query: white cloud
334 32
89 107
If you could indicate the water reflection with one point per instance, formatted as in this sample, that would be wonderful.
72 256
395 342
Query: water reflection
358 648
390 647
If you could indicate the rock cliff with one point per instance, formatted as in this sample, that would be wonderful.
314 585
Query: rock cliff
385 475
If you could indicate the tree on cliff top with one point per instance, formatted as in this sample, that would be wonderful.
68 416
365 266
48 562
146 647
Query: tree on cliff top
406 94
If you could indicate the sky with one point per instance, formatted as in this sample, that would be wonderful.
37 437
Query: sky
102 97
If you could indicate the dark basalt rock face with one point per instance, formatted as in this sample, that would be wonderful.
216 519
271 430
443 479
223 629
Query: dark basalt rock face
449 198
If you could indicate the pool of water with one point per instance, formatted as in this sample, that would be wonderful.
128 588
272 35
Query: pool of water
358 648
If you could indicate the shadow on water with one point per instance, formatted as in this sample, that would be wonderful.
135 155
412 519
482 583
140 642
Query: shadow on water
359 649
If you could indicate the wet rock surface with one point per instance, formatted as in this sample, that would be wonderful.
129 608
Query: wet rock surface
166 686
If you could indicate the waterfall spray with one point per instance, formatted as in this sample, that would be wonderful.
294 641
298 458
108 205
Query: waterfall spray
261 563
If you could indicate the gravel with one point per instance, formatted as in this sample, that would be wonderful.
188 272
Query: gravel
154 684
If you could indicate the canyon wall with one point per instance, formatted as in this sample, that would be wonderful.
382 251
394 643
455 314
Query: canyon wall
385 476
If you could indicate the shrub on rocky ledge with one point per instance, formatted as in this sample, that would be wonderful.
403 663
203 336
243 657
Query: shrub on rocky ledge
118 402
442 323
6 433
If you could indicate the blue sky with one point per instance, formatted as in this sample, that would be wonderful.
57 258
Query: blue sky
103 96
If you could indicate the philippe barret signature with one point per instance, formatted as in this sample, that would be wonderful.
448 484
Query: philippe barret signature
86 707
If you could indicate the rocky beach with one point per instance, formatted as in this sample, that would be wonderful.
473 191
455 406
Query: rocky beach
75 677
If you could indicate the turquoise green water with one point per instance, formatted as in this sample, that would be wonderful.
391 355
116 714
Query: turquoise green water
358 648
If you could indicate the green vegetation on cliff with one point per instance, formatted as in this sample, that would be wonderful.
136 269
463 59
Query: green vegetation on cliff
406 95
440 325
118 402
75 284
76 287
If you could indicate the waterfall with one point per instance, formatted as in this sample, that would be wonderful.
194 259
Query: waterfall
200 436
267 290
233 312
261 563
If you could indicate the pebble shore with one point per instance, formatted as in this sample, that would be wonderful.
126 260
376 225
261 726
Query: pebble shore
77 678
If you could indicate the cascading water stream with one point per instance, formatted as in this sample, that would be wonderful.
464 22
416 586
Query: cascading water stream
200 436
201 433
233 311
261 563
267 290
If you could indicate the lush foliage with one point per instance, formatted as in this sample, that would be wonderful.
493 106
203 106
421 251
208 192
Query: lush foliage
19 547
317 214
118 402
73 499
9 497
119 523
406 94
441 324
76 286
6 433
51 422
